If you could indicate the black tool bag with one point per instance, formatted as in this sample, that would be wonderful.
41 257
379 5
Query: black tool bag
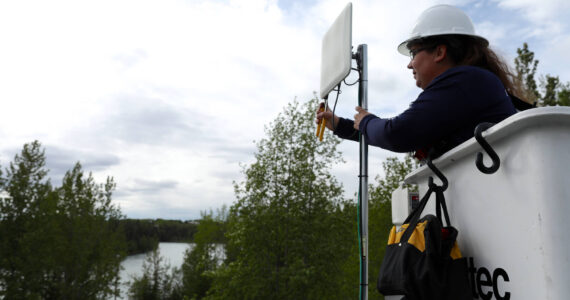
422 259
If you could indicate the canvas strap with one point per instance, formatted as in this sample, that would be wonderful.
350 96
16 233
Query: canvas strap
414 217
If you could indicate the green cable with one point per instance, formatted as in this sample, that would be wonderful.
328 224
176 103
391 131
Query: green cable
359 246
358 222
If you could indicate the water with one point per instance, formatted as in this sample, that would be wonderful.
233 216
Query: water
133 265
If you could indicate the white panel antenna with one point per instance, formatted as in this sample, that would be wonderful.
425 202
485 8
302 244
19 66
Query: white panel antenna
336 52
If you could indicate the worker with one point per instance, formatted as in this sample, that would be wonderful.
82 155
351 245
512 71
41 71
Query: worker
464 83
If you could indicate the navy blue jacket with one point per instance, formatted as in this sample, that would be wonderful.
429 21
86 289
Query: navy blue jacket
443 116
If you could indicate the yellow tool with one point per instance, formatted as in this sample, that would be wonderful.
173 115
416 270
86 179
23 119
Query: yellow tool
322 124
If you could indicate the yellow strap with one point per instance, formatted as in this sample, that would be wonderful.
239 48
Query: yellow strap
455 253
417 238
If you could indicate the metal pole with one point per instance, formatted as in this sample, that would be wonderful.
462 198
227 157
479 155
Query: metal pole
362 61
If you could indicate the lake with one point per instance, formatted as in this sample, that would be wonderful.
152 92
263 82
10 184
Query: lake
132 265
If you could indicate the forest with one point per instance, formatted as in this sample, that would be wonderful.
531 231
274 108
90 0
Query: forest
143 235
290 233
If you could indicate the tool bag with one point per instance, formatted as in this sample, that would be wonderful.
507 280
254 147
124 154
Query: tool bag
422 259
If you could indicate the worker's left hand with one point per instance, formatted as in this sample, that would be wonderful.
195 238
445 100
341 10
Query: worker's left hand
359 116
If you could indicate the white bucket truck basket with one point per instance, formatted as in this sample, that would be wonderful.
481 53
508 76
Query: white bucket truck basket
514 224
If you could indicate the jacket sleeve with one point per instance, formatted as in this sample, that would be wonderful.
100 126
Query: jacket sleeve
427 120
406 132
345 130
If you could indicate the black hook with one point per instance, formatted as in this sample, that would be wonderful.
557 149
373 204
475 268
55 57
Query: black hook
494 157
438 173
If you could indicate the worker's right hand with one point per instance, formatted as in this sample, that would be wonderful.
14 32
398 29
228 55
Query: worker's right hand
328 115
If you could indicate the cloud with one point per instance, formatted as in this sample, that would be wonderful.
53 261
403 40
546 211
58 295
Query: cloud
534 20
60 159
141 119
543 13
131 58
543 25
150 186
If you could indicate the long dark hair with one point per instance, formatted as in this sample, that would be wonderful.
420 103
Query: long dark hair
472 51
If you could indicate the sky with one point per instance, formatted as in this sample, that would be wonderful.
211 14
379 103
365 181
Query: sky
168 97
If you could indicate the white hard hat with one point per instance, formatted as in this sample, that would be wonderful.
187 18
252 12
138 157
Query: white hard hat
440 20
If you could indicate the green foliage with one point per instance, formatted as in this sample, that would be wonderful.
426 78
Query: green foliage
380 212
141 235
193 279
158 281
394 173
287 238
525 65
205 257
211 228
26 224
550 85
92 247
144 235
564 95
175 231
75 227
553 91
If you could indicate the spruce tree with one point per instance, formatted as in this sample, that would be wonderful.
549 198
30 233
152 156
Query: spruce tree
26 225
57 243
525 65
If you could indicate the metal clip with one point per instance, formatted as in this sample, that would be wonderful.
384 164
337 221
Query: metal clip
438 173
488 149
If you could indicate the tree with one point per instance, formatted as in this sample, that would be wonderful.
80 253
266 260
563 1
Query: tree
158 281
550 85
74 226
92 247
380 212
285 239
564 95
553 91
141 235
26 225
193 279
204 258
526 68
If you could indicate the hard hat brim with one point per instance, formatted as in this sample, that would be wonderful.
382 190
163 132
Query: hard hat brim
403 47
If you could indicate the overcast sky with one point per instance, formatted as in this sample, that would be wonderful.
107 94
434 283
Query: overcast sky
169 96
